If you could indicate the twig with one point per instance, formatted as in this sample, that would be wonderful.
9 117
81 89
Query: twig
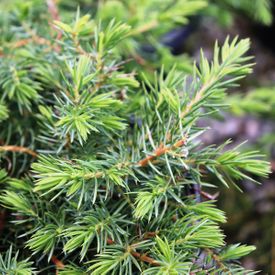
149 235
197 192
216 258
145 258
161 150
146 27
137 255
53 11
59 264
110 241
34 38
37 39
209 196
273 248
2 219
20 149
126 197
195 100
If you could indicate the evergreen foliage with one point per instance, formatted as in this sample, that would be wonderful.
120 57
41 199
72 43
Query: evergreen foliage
102 161
258 10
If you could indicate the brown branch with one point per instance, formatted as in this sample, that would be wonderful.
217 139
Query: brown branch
20 149
37 39
149 235
2 220
196 99
273 247
216 258
161 150
78 47
59 264
110 241
145 28
209 196
34 38
140 60
145 258
53 11
137 255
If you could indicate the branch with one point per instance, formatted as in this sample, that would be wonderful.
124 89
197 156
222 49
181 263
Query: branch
273 248
161 150
20 149
33 39
149 235
53 11
37 39
2 220
59 264
137 255
145 28
209 196
195 100
145 258
216 258
110 241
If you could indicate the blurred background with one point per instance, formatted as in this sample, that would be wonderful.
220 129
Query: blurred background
163 36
